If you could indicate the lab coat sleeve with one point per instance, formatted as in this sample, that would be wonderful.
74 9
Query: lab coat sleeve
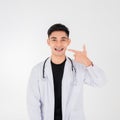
33 96
94 76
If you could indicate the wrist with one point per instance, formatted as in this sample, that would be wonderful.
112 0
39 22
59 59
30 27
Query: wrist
89 63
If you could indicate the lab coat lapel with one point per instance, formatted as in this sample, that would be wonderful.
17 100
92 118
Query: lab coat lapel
66 86
49 77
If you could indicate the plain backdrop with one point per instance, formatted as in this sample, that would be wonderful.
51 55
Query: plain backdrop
23 35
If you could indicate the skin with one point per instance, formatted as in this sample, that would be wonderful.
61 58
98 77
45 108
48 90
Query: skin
58 42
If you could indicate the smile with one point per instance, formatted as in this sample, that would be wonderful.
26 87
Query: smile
59 49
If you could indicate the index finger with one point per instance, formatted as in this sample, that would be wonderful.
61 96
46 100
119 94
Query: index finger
84 47
74 51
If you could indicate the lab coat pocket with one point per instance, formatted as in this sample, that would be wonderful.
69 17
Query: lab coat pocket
77 115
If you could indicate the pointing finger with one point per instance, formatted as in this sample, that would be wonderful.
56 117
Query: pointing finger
74 51
84 47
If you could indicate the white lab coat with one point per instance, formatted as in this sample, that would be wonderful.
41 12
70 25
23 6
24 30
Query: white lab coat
40 95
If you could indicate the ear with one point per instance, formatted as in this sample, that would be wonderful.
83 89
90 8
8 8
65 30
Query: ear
69 41
48 41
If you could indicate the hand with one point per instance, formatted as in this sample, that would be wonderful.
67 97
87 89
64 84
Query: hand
81 56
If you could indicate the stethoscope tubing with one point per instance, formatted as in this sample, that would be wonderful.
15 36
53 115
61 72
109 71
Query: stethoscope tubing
73 68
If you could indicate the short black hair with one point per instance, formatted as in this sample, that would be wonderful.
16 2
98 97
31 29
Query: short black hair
58 27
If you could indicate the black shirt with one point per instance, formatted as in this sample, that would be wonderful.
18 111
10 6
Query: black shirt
58 70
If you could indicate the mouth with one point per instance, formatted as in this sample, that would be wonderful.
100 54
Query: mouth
59 49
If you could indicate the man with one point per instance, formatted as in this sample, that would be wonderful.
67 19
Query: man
55 89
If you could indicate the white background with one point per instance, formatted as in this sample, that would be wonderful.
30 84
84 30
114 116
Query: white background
23 28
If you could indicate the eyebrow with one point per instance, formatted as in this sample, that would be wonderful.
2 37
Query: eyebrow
53 37
64 37
61 37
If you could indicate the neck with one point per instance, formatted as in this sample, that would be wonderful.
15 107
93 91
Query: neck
57 59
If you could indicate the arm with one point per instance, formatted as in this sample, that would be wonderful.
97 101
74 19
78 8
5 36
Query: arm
33 97
93 75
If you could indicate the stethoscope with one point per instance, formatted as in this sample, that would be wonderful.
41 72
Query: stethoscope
43 71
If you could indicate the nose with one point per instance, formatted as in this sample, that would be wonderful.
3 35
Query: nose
58 43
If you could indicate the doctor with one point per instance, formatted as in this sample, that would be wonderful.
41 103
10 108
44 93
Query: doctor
55 88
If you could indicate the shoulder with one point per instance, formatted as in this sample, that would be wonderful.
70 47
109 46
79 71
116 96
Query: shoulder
37 68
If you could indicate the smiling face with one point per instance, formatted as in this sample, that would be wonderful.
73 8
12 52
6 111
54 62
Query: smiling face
58 42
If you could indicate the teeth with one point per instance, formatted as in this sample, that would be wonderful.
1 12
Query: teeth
58 48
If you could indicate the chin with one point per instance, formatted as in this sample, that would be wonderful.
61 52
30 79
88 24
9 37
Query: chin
59 54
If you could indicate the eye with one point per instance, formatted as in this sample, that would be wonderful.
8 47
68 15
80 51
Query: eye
63 39
53 39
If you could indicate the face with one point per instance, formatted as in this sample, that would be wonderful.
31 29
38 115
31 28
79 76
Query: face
58 42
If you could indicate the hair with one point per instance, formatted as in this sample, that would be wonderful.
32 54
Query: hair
58 27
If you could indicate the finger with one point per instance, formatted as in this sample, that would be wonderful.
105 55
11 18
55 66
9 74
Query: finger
84 47
74 51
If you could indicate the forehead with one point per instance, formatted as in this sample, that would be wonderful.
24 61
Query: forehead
58 34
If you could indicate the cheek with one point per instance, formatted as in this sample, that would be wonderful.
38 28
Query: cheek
66 45
50 44
52 47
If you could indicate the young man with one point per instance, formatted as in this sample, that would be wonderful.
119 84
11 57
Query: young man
55 89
